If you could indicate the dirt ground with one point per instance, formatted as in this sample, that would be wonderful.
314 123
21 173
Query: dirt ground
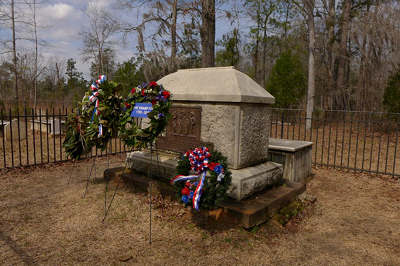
45 220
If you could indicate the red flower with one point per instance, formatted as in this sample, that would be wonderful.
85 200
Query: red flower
153 84
127 105
133 90
212 166
153 102
166 94
142 92
185 191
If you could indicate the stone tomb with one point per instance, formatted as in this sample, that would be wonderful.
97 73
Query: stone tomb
226 110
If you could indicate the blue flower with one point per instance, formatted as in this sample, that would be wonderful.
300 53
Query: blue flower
160 115
218 169
185 199
191 195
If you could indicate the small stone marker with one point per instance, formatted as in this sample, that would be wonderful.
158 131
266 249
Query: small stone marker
13 128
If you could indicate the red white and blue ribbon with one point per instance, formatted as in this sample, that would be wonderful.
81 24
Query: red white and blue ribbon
199 163
94 99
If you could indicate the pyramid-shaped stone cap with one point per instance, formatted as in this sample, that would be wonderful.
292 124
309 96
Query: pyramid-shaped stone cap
215 84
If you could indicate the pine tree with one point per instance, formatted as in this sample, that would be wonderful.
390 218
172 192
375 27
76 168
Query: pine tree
229 55
287 82
391 97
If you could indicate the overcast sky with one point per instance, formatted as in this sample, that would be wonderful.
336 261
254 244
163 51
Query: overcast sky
61 21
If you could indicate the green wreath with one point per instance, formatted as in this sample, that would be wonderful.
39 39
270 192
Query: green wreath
75 144
99 119
131 131
215 188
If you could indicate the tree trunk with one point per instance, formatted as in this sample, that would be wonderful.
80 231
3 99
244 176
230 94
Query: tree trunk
345 27
207 33
173 35
14 52
330 24
262 78
36 55
256 52
100 68
56 82
311 73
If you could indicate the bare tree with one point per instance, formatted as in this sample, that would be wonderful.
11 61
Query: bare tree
36 52
14 49
165 15
97 37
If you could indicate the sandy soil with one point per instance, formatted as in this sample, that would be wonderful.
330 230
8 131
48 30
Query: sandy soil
45 220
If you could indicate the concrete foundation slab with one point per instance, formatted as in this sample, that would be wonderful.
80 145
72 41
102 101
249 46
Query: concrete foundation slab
247 213
245 182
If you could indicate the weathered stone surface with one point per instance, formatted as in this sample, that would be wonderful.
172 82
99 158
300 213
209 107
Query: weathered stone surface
218 126
254 132
247 213
215 84
296 157
288 145
239 131
245 182
258 209
234 111
250 180
146 163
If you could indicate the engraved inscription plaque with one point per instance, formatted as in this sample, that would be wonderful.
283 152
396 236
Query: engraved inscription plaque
183 129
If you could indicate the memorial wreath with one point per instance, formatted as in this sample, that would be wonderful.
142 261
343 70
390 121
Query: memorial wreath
98 121
149 101
203 178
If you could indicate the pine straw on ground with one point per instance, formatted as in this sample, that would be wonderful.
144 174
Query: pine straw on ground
45 220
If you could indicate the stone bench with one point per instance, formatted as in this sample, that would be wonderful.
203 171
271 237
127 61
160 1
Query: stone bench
294 155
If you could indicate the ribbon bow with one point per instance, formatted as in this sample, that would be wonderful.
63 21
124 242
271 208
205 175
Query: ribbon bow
94 99
199 163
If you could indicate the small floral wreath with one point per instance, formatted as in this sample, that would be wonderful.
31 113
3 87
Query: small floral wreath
130 131
203 178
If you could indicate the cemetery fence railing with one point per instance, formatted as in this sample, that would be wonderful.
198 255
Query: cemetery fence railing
358 141
31 137
353 140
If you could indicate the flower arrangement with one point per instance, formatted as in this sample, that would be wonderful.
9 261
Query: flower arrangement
130 131
98 121
203 178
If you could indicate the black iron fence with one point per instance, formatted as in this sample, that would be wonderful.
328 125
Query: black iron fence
359 141
33 137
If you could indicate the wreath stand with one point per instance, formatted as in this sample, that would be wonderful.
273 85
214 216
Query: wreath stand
149 173
146 98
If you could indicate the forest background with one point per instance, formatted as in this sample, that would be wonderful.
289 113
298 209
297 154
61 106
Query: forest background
310 54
